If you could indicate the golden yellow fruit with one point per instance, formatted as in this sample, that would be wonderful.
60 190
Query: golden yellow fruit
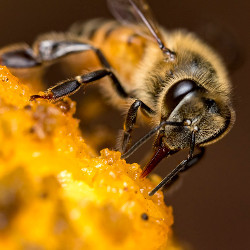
55 193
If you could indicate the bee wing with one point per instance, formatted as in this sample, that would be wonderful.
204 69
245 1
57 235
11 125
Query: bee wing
137 12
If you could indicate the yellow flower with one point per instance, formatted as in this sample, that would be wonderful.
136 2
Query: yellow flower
55 193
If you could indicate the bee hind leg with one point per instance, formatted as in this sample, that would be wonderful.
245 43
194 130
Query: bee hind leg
19 56
51 50
47 52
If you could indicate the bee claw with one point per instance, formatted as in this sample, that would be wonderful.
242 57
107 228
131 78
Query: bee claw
46 96
34 97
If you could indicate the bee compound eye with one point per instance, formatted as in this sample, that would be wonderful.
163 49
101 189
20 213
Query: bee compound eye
178 91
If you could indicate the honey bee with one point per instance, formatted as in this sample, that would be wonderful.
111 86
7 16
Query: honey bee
171 80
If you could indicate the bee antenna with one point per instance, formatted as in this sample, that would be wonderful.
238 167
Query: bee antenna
146 137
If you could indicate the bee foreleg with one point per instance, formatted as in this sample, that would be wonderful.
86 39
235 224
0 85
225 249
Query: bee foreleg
196 158
181 167
69 87
131 120
184 165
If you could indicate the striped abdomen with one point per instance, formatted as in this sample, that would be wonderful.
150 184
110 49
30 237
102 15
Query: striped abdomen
121 45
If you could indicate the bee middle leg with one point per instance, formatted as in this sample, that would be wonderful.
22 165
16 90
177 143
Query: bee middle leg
130 121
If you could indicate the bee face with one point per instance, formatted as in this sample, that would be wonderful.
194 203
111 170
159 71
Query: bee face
208 117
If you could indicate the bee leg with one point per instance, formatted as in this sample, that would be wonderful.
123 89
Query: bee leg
69 87
196 158
184 165
131 120
19 56
24 56
51 50
47 51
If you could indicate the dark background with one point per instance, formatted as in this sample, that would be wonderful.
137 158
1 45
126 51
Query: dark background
212 206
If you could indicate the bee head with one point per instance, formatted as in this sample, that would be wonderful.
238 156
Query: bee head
199 111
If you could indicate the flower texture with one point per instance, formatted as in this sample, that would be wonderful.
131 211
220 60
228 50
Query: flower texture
55 193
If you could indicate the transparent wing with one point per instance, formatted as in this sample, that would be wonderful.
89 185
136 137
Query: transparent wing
136 12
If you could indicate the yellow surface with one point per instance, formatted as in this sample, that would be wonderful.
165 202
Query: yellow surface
55 193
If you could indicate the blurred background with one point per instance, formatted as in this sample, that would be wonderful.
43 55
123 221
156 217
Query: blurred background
211 201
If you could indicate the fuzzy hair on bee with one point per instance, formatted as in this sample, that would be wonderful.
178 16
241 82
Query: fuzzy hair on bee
196 62
170 79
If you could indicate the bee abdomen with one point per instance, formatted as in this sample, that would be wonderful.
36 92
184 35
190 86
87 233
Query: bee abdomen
90 28
121 45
